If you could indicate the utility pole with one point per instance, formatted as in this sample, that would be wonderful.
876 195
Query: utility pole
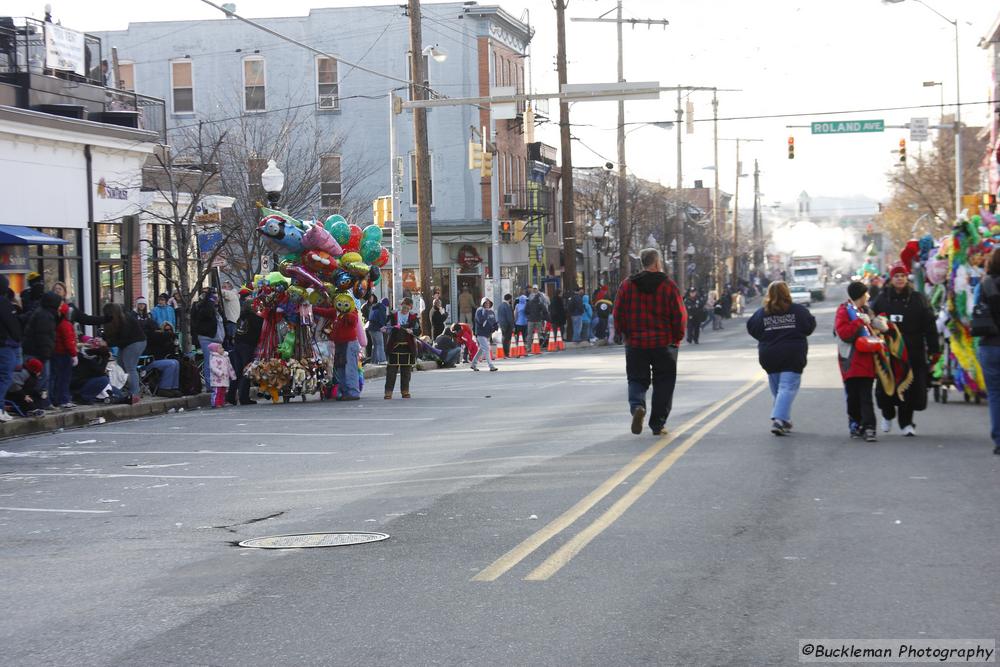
422 158
758 227
681 214
716 225
736 210
565 145
624 225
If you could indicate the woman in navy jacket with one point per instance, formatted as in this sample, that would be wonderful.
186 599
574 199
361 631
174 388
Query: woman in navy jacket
781 328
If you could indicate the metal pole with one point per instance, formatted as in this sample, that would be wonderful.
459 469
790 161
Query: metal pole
397 210
736 221
681 214
716 232
566 154
758 226
958 130
494 212
419 92
624 228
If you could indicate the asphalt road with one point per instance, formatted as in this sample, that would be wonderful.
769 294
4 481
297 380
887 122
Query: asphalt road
528 526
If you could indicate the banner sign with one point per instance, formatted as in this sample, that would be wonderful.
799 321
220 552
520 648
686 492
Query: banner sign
64 49
13 258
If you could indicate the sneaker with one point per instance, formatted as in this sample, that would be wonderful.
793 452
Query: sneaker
35 413
493 369
637 416
856 433
406 394
886 425
996 450
658 430
909 431
777 427
388 395
68 406
870 435
787 425
4 417
475 369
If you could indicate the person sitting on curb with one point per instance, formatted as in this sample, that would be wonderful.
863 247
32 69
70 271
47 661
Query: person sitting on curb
90 375
26 389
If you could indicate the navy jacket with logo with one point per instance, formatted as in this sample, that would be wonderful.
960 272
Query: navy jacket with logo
781 338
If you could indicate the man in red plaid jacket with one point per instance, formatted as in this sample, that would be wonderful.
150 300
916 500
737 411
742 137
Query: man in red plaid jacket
650 315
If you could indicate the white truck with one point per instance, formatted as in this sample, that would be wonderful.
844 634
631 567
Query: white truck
809 271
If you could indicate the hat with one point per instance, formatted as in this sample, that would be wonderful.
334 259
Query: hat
898 268
483 301
33 276
856 290
34 366
534 287
163 295
244 291
141 300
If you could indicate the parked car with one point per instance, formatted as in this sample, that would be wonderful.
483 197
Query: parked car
801 294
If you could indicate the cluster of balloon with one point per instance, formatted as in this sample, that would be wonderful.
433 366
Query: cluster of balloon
318 262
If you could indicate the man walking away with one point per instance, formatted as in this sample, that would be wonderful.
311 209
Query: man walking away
575 315
695 307
486 324
651 318
505 319
466 306
536 313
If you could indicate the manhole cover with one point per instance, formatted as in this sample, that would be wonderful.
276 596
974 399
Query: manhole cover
306 540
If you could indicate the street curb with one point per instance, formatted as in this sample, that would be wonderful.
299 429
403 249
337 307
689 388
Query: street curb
86 415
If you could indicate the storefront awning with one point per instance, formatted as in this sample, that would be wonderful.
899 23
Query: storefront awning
15 235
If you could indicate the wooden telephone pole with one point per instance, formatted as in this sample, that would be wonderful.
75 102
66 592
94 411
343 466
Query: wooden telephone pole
566 154
423 167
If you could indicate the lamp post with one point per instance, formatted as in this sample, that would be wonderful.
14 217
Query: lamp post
958 105
273 181
597 234
931 84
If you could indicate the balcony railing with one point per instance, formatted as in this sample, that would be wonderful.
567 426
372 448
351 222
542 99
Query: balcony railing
526 200
22 51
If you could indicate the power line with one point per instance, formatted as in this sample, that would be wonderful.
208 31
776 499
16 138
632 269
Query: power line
833 113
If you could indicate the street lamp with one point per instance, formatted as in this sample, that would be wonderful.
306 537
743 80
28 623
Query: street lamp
597 233
273 181
931 84
958 105
434 52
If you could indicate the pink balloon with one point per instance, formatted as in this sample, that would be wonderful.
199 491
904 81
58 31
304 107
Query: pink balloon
317 238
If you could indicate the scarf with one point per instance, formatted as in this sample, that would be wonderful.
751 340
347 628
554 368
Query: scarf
892 364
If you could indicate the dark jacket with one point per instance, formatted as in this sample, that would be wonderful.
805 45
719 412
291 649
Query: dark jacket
248 327
695 306
575 306
535 310
39 338
31 299
10 325
557 312
131 332
161 344
505 316
399 337
376 316
486 322
649 312
910 311
91 364
203 319
438 317
781 338
989 292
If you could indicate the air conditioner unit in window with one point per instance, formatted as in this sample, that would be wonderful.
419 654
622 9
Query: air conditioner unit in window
327 102
510 199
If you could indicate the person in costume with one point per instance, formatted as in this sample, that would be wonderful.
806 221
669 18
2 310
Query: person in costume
857 366
910 312
401 348
344 333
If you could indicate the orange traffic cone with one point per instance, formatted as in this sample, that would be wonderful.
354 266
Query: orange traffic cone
499 354
519 352
559 341
552 347
536 347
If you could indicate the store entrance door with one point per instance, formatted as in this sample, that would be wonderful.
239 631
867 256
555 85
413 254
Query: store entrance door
475 285
112 284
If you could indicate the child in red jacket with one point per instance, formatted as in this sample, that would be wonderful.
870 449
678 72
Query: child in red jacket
63 360
857 368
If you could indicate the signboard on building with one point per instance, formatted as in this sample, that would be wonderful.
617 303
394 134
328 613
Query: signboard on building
468 257
65 49
209 241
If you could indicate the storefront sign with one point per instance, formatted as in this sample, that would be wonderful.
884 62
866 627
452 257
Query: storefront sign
13 258
209 241
64 49
468 257
105 191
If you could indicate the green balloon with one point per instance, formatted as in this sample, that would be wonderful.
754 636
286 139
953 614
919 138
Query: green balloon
371 233
340 231
370 250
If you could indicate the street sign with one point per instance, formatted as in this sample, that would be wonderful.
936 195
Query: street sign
918 129
614 91
504 111
848 126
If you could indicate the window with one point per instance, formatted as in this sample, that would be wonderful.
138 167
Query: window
253 84
126 76
327 88
427 74
330 184
413 178
182 86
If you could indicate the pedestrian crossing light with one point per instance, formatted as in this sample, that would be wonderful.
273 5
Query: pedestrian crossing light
505 231
486 170
791 148
902 150
475 155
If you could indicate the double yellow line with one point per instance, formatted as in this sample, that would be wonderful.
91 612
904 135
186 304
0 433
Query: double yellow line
564 554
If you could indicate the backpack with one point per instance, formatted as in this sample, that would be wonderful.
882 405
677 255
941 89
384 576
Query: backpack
983 324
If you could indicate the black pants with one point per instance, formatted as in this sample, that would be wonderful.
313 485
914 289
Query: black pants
506 333
694 330
404 378
241 355
914 399
661 363
860 408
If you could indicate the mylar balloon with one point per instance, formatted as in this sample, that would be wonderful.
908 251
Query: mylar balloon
370 250
342 279
340 231
354 242
371 233
332 220
383 258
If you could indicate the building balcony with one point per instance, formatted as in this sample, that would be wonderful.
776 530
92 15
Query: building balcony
526 201
67 78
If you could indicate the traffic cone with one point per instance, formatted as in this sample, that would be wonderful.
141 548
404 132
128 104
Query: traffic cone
520 347
560 345
499 354
536 348
552 346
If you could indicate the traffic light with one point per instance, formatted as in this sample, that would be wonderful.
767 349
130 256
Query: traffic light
902 150
475 155
505 231
791 148
486 170
519 231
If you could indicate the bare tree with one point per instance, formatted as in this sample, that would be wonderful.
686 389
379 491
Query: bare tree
297 147
923 187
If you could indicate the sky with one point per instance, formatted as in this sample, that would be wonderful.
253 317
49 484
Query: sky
782 56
